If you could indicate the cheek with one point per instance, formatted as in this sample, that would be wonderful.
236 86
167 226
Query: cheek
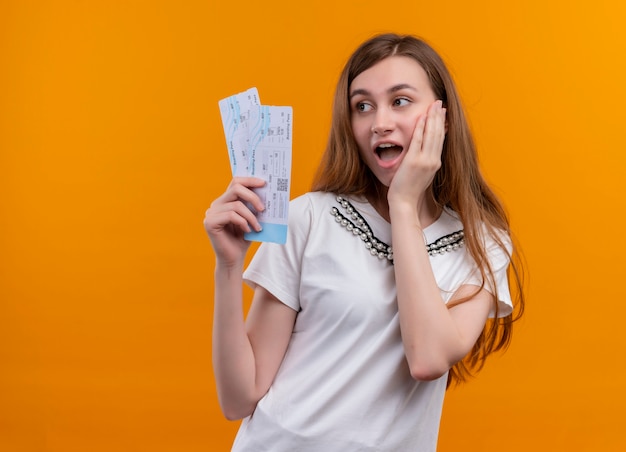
421 111
360 132
408 124
410 121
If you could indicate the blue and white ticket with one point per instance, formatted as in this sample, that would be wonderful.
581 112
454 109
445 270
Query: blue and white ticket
236 112
259 140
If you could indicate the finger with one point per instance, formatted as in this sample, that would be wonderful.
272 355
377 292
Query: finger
435 118
243 211
248 181
418 134
227 221
236 213
434 130
242 189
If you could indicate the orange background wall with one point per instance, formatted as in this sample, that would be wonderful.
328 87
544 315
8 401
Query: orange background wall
111 148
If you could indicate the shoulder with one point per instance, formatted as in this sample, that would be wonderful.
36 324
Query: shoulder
314 198
495 242
448 223
306 210
311 203
490 236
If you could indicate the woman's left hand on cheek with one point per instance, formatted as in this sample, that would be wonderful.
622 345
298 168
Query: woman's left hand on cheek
423 158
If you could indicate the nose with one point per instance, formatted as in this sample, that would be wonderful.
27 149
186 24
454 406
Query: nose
383 122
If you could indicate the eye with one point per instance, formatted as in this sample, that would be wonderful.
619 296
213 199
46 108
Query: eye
363 107
401 102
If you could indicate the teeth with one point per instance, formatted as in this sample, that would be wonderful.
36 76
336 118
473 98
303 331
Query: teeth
386 145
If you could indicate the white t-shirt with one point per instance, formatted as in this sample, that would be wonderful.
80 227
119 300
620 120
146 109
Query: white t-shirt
344 384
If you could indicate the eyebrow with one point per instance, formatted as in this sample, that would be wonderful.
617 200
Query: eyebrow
393 89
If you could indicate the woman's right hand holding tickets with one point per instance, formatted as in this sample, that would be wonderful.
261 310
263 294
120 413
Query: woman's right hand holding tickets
229 218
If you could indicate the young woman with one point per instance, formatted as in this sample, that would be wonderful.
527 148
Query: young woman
393 279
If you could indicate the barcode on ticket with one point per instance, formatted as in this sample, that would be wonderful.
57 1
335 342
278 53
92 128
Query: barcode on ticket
282 184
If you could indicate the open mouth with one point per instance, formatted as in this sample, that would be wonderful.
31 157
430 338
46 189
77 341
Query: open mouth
388 151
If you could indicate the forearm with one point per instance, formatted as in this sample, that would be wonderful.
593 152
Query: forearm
430 336
233 358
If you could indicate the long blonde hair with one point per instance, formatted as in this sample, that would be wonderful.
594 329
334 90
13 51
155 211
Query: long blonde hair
458 185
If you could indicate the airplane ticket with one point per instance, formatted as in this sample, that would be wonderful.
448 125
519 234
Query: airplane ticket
237 112
259 140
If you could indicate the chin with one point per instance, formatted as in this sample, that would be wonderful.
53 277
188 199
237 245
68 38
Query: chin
384 182
386 178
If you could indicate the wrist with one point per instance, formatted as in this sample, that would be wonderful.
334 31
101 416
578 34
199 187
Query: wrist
404 212
229 267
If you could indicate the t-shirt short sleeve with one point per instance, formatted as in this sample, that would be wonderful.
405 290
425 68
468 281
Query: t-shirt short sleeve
499 260
277 268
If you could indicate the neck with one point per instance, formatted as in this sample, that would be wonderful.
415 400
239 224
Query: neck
428 212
